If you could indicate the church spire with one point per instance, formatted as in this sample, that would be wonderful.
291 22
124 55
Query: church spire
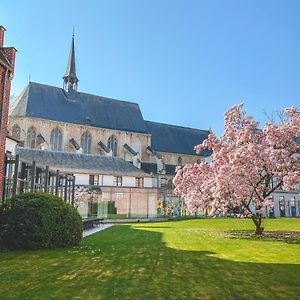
70 78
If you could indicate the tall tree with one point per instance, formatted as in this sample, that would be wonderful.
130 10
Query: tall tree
247 165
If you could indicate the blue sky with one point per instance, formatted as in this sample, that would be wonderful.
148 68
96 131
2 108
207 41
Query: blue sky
185 62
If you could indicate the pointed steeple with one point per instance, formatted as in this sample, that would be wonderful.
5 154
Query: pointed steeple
70 78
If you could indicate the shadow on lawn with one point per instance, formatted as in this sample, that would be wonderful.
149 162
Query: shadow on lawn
127 263
289 237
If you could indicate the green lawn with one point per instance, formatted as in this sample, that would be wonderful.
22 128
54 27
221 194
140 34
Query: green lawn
192 259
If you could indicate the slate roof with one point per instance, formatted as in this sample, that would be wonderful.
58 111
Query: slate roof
176 139
53 103
79 163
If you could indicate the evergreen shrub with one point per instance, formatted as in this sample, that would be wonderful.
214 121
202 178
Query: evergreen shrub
39 220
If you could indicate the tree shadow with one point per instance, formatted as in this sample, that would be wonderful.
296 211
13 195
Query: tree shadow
289 237
124 262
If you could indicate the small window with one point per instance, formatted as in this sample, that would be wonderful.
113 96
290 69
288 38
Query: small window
139 181
170 184
86 142
94 180
117 181
292 202
282 206
31 137
16 131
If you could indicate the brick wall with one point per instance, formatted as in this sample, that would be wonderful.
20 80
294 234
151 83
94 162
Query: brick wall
7 63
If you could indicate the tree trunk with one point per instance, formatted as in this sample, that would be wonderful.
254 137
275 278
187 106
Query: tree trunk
259 230
257 219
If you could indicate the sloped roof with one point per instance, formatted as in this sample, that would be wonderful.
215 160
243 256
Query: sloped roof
53 103
176 139
79 163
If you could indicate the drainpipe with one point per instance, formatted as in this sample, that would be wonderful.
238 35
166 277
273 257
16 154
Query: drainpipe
3 99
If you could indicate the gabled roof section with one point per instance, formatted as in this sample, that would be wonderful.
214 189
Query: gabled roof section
52 103
176 139
79 163
19 107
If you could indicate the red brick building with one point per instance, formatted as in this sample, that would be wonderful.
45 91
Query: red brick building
7 64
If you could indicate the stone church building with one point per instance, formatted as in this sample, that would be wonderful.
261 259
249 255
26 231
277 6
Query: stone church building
55 119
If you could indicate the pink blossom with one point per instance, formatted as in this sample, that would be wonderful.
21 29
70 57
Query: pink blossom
247 164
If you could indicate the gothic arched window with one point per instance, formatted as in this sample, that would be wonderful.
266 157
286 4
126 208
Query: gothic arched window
56 140
112 144
31 137
179 160
16 131
86 142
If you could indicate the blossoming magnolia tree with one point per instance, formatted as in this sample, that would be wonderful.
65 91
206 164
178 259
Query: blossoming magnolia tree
247 165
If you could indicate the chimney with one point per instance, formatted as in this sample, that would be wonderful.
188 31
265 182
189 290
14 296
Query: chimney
2 30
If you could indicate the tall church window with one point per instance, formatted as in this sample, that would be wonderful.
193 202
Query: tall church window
31 137
179 160
56 140
16 131
86 143
112 144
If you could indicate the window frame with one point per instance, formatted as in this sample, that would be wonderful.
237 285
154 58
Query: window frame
86 142
16 135
117 181
112 144
31 139
139 182
56 139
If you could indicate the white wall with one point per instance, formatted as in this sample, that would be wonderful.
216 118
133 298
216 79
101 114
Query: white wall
108 180
82 179
128 181
10 146
148 182
287 197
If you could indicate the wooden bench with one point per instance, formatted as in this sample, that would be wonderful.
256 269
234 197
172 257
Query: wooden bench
91 223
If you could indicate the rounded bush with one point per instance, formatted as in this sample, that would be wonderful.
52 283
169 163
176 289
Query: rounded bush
39 220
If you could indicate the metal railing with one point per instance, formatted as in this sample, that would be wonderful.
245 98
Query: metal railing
21 177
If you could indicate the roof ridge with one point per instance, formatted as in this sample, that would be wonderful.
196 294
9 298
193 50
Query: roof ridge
83 93
177 126
78 155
